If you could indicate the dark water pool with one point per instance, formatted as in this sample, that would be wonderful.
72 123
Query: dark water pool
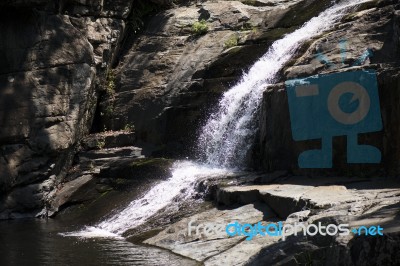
37 242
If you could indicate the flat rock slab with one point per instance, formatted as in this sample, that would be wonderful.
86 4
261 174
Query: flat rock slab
357 202
112 152
285 199
71 191
326 196
200 247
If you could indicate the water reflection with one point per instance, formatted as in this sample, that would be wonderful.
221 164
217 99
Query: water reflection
36 242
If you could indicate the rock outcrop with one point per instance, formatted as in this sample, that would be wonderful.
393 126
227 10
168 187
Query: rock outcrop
173 75
356 202
53 59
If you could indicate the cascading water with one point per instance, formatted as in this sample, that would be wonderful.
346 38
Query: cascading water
228 133
180 185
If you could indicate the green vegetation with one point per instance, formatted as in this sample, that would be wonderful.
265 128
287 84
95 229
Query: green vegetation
110 80
110 93
100 144
249 2
200 27
231 42
152 162
91 164
247 26
109 110
128 128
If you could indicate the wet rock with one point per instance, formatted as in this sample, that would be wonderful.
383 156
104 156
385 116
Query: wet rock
146 168
72 192
22 202
106 173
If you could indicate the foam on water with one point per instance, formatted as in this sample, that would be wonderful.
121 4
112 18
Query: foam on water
92 232
184 175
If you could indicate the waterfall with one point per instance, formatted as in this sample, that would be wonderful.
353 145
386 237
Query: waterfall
228 133
179 188
158 197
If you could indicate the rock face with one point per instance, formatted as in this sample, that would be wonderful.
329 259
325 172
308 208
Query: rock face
68 63
52 60
375 27
357 202
172 76
152 78
55 76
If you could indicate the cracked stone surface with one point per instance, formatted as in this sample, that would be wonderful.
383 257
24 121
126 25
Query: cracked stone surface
357 202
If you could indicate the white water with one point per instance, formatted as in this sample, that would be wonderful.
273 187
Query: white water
227 135
184 174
